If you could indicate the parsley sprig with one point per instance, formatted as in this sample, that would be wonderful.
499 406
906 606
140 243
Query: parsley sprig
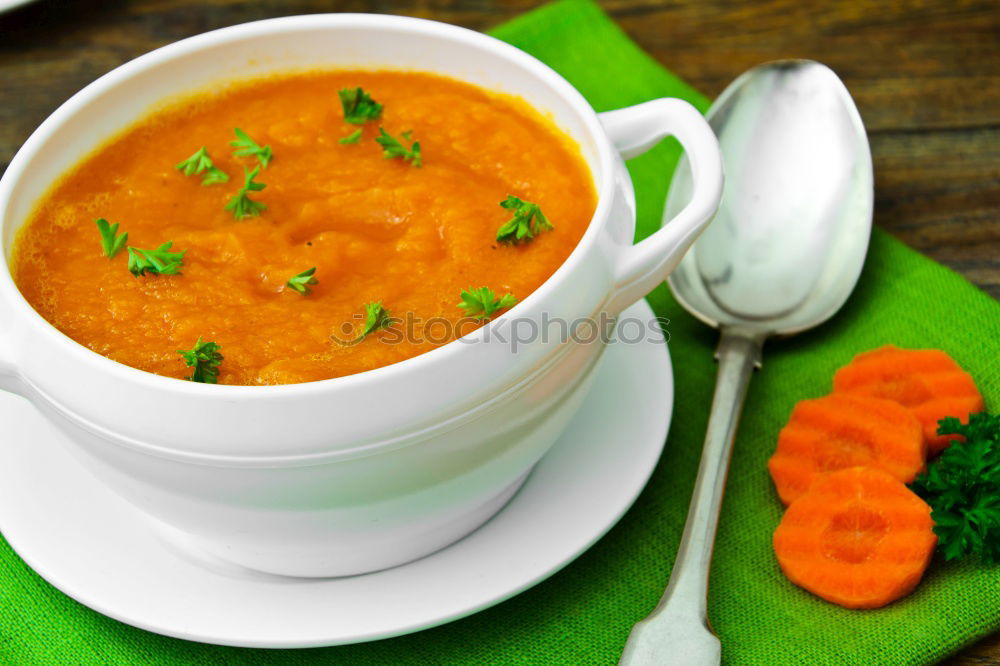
482 303
201 162
160 261
528 221
963 489
241 204
111 240
353 137
302 281
392 147
249 148
376 318
205 359
359 107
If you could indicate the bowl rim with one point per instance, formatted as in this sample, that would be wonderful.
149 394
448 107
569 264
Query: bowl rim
462 37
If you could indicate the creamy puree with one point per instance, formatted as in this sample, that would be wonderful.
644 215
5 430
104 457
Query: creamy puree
376 229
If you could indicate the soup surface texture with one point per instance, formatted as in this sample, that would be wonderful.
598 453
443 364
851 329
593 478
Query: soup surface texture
376 229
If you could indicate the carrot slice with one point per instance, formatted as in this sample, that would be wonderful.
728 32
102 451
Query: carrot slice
859 538
842 430
926 381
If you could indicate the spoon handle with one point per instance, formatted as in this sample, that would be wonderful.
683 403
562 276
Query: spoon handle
677 631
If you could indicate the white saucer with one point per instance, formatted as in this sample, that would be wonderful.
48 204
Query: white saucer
118 565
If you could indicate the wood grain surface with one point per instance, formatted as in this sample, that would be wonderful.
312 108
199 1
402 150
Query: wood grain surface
925 75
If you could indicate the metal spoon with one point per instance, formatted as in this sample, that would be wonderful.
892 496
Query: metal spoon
781 256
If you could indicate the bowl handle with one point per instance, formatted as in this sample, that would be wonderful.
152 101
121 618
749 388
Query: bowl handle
634 130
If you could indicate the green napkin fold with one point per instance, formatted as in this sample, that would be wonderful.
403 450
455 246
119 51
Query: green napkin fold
583 614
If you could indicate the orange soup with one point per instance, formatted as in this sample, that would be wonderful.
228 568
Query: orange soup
397 211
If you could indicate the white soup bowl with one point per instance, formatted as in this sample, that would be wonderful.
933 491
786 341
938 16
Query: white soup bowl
363 472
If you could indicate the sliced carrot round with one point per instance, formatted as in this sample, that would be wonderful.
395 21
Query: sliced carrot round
928 382
859 538
842 430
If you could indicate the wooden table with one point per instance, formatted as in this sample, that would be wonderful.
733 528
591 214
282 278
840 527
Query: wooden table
925 74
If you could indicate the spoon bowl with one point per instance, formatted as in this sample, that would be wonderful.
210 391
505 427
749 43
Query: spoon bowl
781 256
789 240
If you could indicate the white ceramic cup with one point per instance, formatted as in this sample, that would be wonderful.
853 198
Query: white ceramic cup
363 472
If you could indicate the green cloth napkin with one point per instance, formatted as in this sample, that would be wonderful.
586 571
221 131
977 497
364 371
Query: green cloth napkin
583 614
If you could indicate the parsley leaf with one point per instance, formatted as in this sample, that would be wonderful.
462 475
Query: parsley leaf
376 318
160 261
215 175
201 162
242 205
482 303
353 137
359 107
301 282
205 359
963 489
391 147
248 147
111 240
528 221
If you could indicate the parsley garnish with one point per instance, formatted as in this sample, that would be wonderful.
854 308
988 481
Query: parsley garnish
205 359
963 489
376 317
528 221
160 261
301 282
359 107
248 147
242 205
391 147
353 137
111 241
201 162
482 303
